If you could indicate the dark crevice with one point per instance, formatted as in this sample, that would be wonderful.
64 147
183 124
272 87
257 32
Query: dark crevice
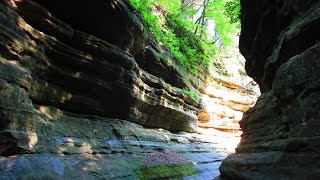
9 145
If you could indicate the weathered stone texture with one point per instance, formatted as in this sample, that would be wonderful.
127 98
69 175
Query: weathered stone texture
281 138
77 56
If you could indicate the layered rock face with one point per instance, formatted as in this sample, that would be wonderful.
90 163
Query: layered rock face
78 57
281 138
227 97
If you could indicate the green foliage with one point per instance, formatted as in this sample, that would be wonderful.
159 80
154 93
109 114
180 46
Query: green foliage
224 30
189 44
191 94
232 10
162 80
2 58
173 25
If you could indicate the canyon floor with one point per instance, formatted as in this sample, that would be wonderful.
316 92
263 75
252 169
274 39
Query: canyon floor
126 151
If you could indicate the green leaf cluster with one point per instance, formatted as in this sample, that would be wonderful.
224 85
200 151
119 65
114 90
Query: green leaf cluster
232 10
173 25
191 94
185 90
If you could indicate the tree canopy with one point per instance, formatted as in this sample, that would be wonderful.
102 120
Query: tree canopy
194 31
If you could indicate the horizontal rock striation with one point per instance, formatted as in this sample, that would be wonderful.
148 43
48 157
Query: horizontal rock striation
74 146
78 57
281 138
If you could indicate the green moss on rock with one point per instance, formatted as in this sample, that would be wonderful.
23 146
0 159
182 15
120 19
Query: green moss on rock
176 171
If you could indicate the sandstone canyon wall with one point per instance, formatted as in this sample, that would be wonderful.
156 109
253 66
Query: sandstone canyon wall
281 138
72 76
78 57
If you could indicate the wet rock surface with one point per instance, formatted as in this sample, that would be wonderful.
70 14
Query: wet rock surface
90 147
280 139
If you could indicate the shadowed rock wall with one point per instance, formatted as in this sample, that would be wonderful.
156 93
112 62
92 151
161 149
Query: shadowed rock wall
281 139
76 56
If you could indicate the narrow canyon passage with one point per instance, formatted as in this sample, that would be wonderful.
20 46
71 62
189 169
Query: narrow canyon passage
67 98
146 89
72 146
